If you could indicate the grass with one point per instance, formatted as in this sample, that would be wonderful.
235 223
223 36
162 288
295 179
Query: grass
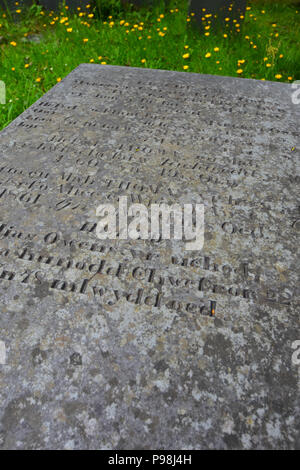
265 46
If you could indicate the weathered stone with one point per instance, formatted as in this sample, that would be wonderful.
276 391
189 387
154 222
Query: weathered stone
112 344
33 38
2 92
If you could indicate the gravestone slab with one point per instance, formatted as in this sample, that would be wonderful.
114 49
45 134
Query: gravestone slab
141 344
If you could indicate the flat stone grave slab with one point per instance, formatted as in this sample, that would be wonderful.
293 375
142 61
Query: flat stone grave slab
143 344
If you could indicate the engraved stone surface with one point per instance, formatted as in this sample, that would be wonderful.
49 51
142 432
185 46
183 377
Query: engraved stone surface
111 344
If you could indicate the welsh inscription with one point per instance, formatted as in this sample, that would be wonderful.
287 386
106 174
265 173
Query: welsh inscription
121 343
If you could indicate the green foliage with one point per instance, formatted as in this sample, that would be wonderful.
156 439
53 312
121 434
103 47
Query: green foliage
35 10
105 8
42 47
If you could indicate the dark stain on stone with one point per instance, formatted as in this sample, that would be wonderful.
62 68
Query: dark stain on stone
76 359
42 290
94 372
160 366
232 441
38 356
23 324
220 348
73 407
114 382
